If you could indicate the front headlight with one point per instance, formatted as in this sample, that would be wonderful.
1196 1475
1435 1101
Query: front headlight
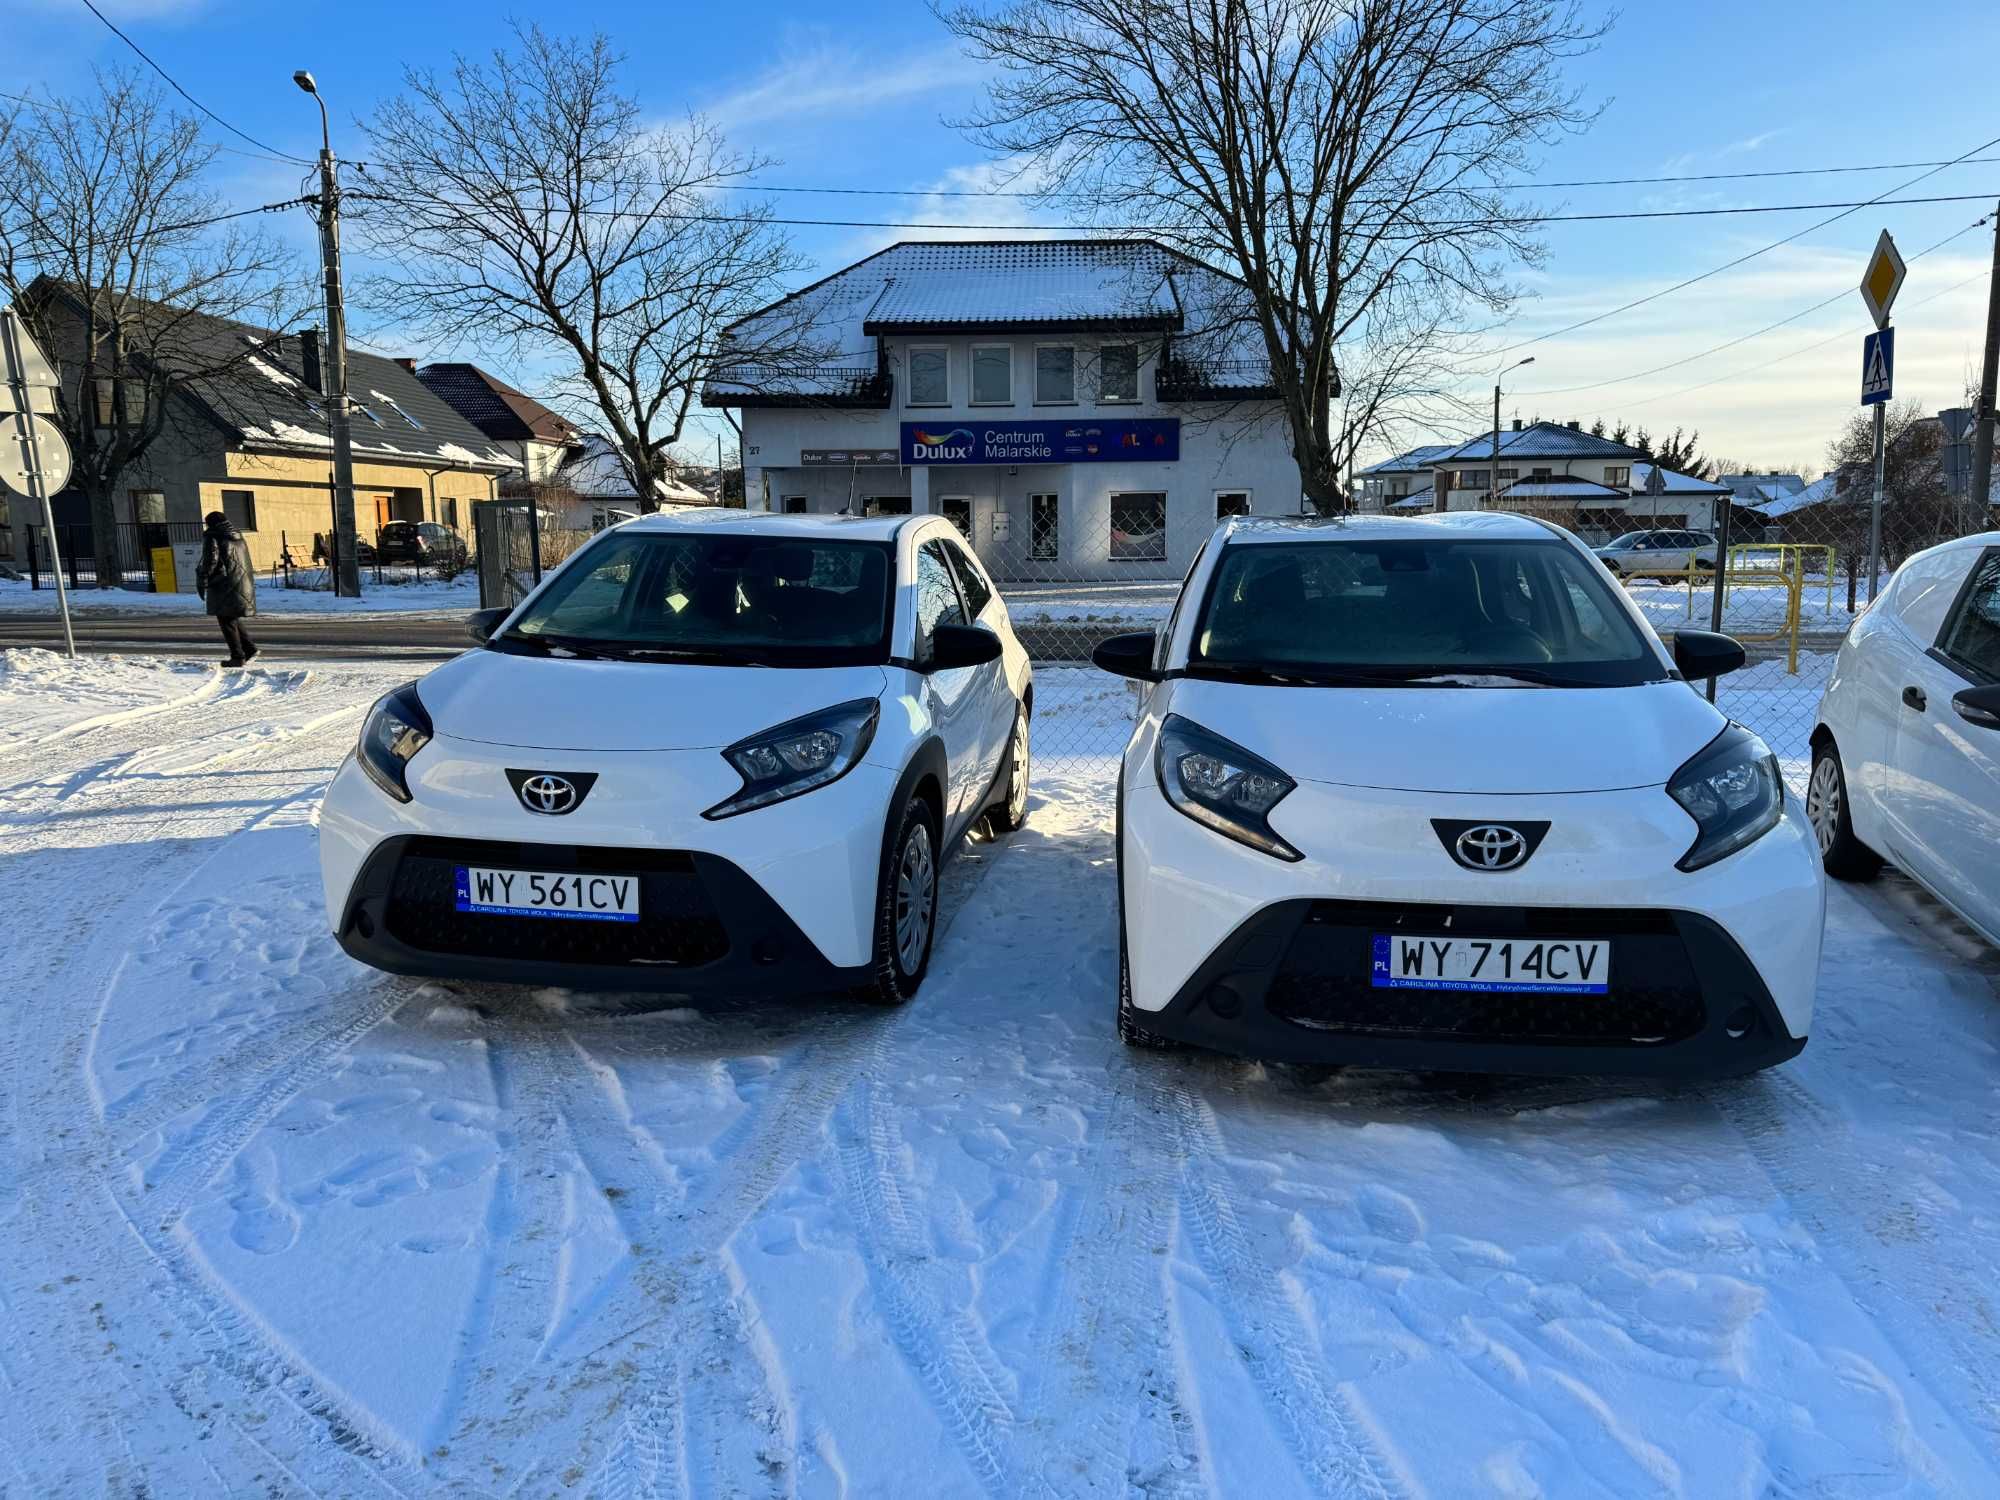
1221 785
1734 793
798 756
395 730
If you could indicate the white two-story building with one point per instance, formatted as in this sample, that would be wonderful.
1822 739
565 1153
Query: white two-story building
1079 409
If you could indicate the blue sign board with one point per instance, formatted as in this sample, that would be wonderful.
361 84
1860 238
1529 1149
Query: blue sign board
1134 440
1878 366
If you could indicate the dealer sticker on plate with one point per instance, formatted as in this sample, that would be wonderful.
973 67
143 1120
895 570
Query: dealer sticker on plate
540 893
1541 966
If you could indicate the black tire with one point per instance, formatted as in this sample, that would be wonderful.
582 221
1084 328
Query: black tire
1844 856
1011 811
902 955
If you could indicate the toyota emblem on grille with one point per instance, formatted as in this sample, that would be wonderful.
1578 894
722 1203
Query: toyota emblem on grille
1489 847
551 793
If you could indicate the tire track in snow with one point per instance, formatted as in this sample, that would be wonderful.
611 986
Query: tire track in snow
1325 1438
1108 1282
942 1345
1946 1330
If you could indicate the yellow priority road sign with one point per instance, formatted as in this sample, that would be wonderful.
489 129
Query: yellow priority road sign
1883 279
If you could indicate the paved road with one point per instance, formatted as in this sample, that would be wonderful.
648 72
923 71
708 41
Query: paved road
407 637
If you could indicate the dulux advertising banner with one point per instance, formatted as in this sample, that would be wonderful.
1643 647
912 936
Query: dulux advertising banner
1135 440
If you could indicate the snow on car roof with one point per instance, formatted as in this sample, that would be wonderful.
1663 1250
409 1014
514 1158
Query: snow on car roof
1437 525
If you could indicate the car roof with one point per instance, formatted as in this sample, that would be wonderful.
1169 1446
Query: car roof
763 523
1436 526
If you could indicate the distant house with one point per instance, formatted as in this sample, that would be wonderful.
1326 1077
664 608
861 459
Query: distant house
518 424
252 442
1396 483
592 488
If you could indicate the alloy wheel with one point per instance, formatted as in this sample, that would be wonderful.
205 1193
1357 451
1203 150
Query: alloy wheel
1823 802
916 899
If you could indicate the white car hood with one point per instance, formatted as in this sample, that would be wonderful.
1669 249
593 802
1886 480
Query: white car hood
1474 739
557 703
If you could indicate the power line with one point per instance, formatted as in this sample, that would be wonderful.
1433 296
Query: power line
77 114
753 186
91 6
1846 209
1142 229
1806 312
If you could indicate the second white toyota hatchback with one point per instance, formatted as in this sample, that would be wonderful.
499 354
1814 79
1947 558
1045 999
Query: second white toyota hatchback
1430 793
712 751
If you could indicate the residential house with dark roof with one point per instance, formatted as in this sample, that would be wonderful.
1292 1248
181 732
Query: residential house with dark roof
252 442
1078 408
519 425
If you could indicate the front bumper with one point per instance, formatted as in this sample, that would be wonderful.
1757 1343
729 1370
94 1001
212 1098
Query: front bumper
705 927
1291 984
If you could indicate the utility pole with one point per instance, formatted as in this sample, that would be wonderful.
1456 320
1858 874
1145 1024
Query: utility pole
1980 495
347 572
1493 473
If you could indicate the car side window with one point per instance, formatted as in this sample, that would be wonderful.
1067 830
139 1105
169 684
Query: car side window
971 582
937 596
1971 639
1926 588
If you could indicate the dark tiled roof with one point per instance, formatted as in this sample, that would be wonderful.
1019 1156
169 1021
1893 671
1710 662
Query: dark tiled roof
495 407
1539 440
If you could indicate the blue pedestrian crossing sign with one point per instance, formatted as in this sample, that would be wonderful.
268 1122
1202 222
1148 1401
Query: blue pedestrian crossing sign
1878 366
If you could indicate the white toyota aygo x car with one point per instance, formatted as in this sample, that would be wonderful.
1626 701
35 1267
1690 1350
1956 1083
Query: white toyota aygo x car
1430 793
712 752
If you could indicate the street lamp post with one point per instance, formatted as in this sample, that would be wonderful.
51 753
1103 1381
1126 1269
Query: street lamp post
347 566
1493 474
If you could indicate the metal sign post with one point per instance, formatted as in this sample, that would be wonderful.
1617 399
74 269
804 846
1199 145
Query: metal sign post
1879 285
35 458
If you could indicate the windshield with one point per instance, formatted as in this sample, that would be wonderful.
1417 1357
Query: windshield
727 599
1459 613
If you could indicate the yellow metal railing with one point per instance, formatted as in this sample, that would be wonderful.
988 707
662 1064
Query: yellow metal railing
1789 574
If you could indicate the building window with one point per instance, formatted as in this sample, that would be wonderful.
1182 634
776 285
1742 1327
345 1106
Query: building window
930 376
135 401
886 505
1508 476
241 508
148 507
1044 528
992 375
1139 527
958 510
1118 373
795 505
448 512
1540 475
1620 478
391 403
1470 479
362 407
1231 503
1055 374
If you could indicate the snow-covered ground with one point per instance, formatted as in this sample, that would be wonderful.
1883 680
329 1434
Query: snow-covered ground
400 590
270 1222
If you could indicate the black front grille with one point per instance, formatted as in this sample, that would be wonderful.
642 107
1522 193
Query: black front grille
678 924
1322 980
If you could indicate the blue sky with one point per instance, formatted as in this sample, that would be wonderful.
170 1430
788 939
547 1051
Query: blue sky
858 95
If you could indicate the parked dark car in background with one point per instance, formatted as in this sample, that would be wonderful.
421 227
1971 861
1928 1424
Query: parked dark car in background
417 542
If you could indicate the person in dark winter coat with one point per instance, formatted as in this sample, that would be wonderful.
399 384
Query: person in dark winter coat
227 584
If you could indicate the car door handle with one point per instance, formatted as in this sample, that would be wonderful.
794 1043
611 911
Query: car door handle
1913 697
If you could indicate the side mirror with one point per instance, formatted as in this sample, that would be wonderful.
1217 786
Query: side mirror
1128 655
1980 706
481 624
962 646
1702 654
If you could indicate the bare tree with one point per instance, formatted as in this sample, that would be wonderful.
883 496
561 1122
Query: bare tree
529 208
1345 158
111 251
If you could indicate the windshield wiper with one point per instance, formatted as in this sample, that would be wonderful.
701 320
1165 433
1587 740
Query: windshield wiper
1308 676
549 645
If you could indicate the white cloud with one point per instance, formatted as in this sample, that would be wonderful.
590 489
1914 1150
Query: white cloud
828 77
941 213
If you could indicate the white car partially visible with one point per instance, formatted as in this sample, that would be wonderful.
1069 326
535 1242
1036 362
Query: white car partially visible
1906 754
714 751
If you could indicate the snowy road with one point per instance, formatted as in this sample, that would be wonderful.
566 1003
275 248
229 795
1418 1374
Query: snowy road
270 1222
